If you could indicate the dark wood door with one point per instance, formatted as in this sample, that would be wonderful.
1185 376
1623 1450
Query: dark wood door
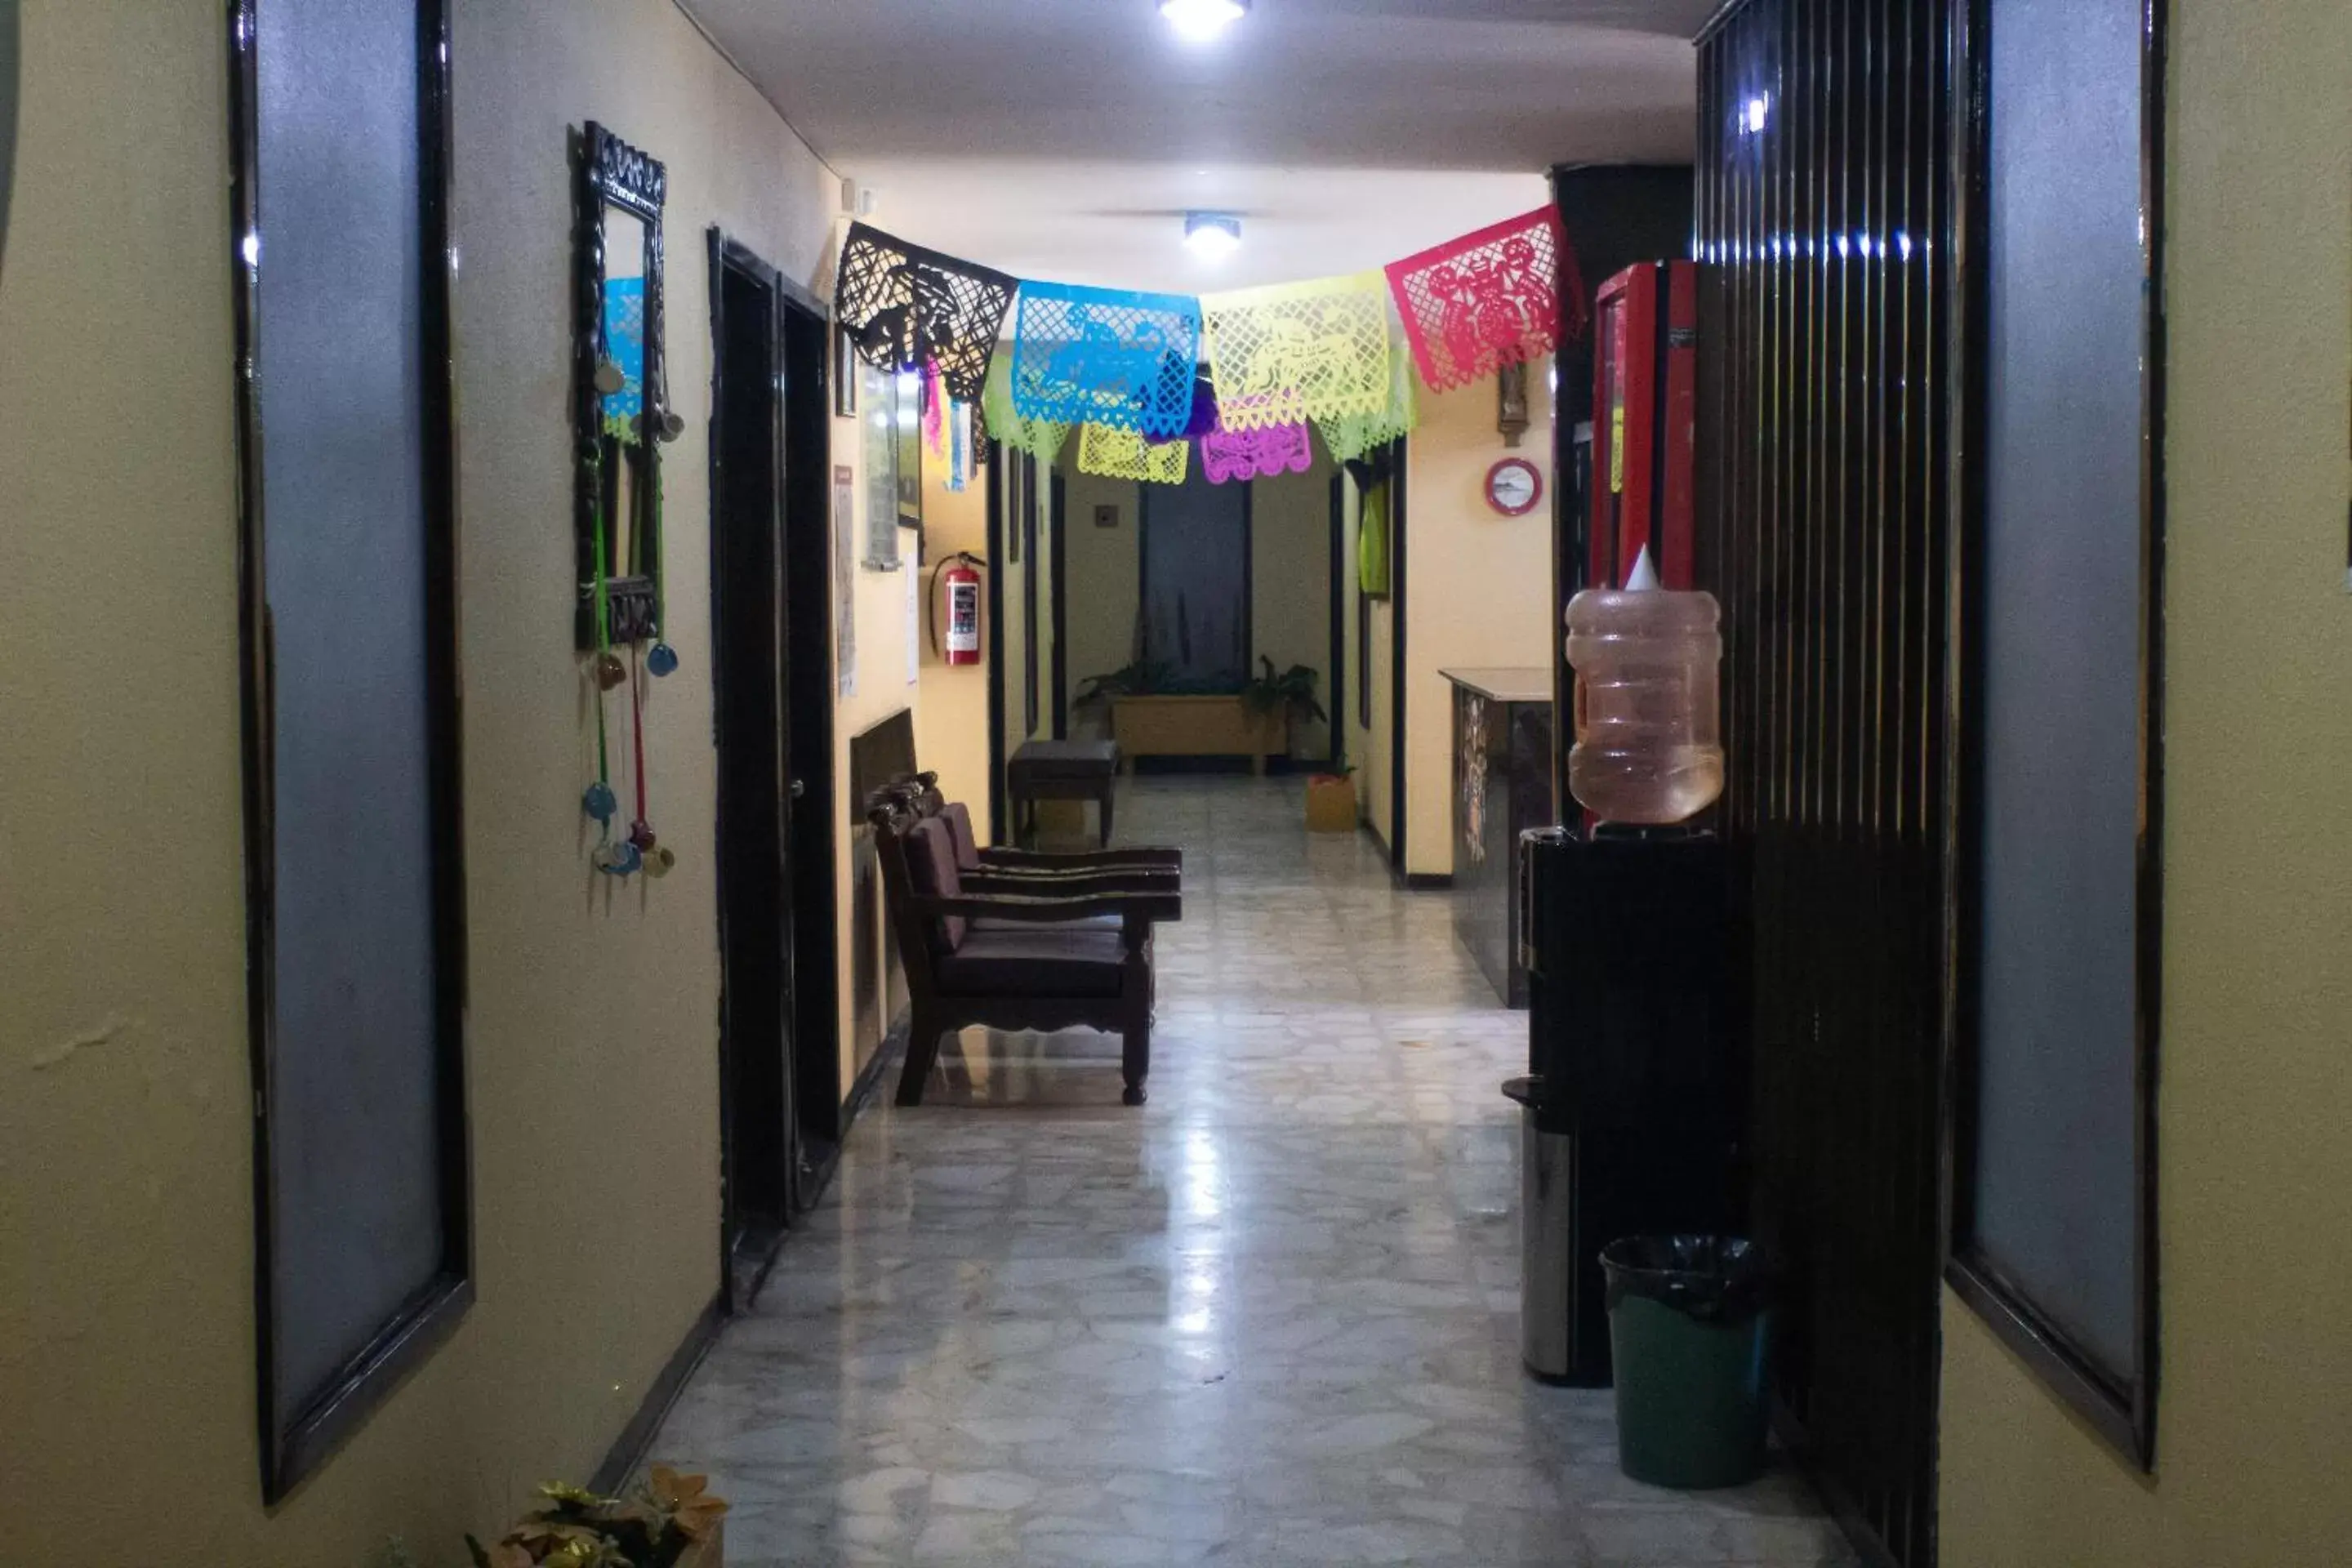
748 647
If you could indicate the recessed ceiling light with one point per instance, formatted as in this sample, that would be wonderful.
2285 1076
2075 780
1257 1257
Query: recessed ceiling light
1212 237
1200 21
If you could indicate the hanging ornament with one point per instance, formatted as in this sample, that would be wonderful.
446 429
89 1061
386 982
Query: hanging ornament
1295 352
1106 356
641 842
661 659
621 859
1490 298
905 307
1124 455
610 670
659 861
597 801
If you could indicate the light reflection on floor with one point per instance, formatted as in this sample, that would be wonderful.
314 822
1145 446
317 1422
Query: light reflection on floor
1269 1318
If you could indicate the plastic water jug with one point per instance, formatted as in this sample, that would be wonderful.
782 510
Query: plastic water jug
1646 749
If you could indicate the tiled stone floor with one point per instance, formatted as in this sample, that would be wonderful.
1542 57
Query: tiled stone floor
1269 1318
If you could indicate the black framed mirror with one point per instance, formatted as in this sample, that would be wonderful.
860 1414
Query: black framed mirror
8 51
621 389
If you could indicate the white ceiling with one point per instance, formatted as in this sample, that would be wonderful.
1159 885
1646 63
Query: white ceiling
1064 138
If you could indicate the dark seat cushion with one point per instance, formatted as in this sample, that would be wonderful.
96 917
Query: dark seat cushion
1065 759
1043 960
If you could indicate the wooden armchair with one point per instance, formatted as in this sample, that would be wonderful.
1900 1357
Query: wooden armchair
1064 956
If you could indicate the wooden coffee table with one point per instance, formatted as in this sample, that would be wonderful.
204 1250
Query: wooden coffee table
1060 769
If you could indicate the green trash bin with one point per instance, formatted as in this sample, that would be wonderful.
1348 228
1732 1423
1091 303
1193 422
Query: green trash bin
1688 1323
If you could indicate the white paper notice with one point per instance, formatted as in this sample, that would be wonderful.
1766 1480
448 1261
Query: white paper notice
844 577
914 576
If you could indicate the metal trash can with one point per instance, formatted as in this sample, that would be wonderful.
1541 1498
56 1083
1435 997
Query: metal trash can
1547 1232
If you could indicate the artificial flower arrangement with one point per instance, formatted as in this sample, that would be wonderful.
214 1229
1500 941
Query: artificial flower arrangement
672 1521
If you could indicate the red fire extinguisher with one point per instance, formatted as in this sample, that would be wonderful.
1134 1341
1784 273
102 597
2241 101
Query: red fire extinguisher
959 576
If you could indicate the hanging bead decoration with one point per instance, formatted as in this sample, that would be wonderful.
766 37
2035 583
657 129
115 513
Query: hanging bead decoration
1116 453
1300 351
1490 298
1041 438
1351 436
905 307
1103 356
641 829
662 659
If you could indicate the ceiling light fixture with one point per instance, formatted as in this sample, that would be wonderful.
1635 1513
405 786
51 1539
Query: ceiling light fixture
1202 21
1212 237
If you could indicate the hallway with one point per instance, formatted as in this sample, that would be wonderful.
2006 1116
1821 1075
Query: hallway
1271 1317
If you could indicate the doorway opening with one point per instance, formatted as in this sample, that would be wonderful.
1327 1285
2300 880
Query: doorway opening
772 712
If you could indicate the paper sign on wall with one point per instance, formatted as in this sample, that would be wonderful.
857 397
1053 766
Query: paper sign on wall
844 578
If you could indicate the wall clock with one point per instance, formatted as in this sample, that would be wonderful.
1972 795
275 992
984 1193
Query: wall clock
1513 487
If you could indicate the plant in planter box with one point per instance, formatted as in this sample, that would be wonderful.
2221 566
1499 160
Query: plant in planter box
1290 693
1143 677
671 1522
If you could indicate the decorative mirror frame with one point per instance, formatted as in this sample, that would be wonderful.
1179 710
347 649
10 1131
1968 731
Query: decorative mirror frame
609 173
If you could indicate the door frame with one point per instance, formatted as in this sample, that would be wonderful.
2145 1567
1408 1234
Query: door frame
1000 455
811 777
1340 583
748 1247
1398 670
1058 561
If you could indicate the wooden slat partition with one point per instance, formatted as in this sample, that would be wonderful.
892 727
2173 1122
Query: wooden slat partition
1825 225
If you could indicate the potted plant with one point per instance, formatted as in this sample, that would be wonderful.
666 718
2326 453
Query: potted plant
671 1522
1290 693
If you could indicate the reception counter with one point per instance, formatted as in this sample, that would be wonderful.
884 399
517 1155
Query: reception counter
1502 785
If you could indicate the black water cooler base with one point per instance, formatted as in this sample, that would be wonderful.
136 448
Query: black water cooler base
1635 1054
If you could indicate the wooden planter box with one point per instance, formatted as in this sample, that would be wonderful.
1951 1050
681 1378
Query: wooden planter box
1193 727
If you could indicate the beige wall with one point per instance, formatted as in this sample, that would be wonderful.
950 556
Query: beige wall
2254 1169
1477 587
1103 564
126 1260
